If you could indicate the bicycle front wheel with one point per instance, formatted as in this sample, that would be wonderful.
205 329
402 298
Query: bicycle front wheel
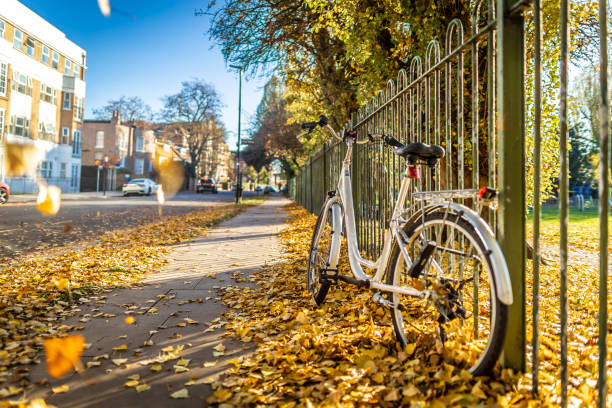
464 314
319 255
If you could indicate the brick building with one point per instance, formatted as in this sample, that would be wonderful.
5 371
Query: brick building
42 94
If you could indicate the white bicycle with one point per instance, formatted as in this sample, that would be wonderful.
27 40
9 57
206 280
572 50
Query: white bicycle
441 273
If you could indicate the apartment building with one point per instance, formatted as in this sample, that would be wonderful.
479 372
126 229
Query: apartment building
216 160
42 96
125 145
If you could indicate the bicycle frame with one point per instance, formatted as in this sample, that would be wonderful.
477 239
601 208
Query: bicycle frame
344 197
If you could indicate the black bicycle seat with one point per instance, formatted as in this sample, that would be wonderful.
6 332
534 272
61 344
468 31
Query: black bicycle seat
422 151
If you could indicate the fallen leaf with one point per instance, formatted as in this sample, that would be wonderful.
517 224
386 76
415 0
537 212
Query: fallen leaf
156 367
129 320
180 394
119 361
62 354
142 387
60 389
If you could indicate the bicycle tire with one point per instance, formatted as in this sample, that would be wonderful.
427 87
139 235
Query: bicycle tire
314 286
499 314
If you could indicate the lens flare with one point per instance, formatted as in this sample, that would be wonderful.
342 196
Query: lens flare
49 199
104 7
161 198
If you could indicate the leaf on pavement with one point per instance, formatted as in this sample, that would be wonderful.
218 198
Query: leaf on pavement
180 394
62 354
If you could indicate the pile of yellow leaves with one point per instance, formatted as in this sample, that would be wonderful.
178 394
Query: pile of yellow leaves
341 354
36 293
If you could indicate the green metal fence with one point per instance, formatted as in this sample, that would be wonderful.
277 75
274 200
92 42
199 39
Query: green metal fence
467 95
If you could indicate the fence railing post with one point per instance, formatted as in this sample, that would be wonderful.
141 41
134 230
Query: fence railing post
511 165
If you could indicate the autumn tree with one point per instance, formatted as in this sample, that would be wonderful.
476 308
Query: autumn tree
193 112
273 139
132 108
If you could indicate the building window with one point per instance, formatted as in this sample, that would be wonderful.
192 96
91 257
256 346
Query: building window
74 176
78 108
68 67
98 156
62 170
2 114
76 143
140 143
22 83
76 71
139 166
45 169
1 28
30 46
18 40
45 54
3 78
55 61
123 141
67 98
20 126
48 94
100 139
46 131
65 135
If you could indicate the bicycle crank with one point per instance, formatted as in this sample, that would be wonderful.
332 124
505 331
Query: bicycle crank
378 298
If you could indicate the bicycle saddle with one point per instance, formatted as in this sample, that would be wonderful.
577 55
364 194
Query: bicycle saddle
421 151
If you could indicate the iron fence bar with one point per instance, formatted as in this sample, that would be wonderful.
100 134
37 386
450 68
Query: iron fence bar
511 173
563 192
604 208
467 43
537 137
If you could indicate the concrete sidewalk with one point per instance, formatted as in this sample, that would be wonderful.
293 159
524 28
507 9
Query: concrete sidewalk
170 309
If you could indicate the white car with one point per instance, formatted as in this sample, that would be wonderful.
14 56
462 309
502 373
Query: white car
140 186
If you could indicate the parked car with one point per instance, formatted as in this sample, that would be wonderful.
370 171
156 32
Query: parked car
259 189
270 189
207 184
5 192
140 187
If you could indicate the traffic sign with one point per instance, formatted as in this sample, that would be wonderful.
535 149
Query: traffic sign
247 141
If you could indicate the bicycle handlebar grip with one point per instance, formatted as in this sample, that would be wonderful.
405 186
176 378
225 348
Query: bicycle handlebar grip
323 121
391 141
309 125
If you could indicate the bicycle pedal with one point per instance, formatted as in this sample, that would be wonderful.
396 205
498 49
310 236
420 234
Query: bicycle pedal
421 260
377 298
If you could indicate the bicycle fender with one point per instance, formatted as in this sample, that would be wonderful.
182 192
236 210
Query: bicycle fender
336 243
503 284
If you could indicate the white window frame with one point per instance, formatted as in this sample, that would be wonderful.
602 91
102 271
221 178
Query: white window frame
2 123
46 54
2 28
30 49
123 141
78 108
45 169
139 166
55 60
25 126
67 103
76 142
62 173
74 175
68 67
140 144
48 94
65 136
22 84
99 139
18 40
76 71
3 78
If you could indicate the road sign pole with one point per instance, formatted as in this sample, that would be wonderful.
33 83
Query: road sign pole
238 175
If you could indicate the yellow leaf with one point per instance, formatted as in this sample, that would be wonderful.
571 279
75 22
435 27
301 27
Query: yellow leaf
122 347
131 384
91 364
219 347
134 377
222 395
180 369
301 318
153 310
157 368
119 361
37 403
142 387
379 378
60 389
183 362
103 356
209 363
409 348
62 354
129 320
180 394
21 158
61 284
49 199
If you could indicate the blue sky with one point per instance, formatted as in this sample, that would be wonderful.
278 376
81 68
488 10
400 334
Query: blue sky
148 55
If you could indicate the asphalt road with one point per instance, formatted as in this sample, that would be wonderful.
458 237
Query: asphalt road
24 230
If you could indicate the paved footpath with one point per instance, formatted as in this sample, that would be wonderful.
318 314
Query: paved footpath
170 309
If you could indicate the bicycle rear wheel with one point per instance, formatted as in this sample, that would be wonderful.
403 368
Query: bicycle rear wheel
466 314
319 255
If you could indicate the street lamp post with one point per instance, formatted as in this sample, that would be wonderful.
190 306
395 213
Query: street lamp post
238 175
